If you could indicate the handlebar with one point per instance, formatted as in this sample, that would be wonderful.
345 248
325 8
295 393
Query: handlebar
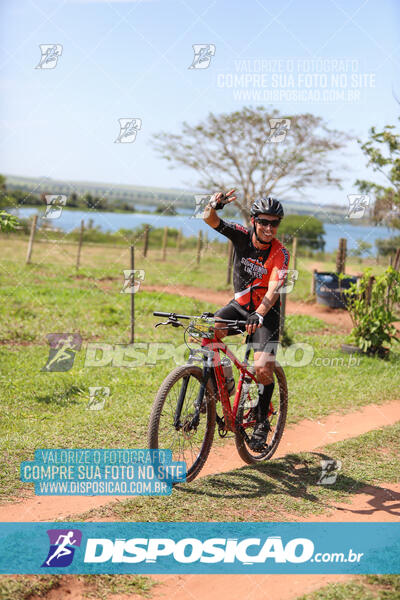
174 316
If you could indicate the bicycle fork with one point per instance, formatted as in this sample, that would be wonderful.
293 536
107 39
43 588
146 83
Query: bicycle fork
194 422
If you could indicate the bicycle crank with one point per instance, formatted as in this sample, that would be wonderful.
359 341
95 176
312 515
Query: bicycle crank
221 426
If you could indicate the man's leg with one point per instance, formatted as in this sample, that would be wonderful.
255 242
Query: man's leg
229 312
264 363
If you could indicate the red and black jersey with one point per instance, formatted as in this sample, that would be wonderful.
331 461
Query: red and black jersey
252 268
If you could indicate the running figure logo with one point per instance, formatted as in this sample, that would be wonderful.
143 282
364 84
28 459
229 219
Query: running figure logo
330 471
279 129
128 129
357 205
288 277
132 280
201 201
50 55
54 206
63 347
62 542
97 397
202 55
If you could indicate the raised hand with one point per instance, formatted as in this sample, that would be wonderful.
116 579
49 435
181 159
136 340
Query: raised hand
219 200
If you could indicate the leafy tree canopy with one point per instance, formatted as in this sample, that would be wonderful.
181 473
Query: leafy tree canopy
234 150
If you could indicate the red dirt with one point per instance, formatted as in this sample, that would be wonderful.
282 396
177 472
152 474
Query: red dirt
333 316
305 436
239 587
308 435
372 504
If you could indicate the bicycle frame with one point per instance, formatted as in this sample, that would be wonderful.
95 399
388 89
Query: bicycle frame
210 348
215 346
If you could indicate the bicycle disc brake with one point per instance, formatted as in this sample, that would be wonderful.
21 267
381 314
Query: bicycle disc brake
188 429
221 426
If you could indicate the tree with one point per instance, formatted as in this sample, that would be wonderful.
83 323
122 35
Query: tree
3 187
166 209
361 247
234 150
308 230
386 247
73 200
8 222
383 152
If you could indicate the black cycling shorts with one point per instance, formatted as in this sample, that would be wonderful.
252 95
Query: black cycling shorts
266 337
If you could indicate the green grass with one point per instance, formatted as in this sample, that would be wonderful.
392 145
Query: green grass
180 267
24 587
283 489
370 587
101 587
42 409
296 324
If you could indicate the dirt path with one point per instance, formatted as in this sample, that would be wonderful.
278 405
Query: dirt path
333 316
304 436
239 587
372 504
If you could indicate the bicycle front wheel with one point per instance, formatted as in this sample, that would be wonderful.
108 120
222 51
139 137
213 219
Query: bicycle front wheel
187 443
277 423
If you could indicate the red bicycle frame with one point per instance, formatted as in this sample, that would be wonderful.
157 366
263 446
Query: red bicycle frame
230 413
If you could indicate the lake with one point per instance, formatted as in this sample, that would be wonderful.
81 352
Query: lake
111 221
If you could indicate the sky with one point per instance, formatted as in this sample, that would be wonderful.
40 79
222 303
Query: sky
130 59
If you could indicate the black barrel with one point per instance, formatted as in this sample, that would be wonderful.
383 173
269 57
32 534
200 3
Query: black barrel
327 289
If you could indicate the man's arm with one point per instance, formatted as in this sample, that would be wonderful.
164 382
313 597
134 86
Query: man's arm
217 201
277 279
211 217
272 293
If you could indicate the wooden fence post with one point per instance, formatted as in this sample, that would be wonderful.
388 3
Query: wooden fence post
341 256
199 245
132 338
368 291
396 262
31 239
205 241
164 243
230 262
78 256
146 240
294 251
313 282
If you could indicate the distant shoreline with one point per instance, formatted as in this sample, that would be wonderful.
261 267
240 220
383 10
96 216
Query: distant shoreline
180 211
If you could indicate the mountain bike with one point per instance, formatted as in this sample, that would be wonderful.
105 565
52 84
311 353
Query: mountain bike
185 414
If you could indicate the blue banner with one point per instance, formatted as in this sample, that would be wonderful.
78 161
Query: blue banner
203 548
99 472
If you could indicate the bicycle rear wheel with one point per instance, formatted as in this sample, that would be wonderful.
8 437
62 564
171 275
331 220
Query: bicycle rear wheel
277 422
189 444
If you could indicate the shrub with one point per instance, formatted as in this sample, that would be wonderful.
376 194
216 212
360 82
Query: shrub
371 304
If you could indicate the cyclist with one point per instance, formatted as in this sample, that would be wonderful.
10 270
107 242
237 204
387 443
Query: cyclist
259 269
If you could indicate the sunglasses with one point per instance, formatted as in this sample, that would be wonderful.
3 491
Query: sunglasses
266 222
